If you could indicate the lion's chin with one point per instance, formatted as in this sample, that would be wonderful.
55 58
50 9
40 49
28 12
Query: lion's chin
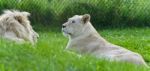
66 34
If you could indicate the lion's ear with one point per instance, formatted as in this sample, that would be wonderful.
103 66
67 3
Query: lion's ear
86 18
26 13
19 19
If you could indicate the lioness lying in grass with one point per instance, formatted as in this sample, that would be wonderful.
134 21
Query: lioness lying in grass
84 39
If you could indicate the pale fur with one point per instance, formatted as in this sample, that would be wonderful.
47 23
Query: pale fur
84 39
14 25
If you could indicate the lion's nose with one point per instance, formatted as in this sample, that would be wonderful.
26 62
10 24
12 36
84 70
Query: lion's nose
63 26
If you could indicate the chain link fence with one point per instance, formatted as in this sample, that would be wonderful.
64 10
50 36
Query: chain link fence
104 13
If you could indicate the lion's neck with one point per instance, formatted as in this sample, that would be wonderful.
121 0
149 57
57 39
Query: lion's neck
89 29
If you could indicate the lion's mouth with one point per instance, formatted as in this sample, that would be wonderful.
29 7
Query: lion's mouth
66 32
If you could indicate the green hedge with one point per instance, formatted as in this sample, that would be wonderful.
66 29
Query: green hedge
104 13
39 9
115 13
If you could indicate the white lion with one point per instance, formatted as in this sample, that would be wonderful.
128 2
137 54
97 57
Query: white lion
14 25
84 39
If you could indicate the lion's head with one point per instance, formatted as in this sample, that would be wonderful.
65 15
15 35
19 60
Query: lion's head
75 25
16 26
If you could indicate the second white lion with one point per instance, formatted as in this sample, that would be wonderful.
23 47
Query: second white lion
84 39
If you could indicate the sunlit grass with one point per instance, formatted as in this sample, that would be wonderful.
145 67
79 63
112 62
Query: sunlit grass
49 54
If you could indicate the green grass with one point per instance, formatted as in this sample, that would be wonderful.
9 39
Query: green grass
49 54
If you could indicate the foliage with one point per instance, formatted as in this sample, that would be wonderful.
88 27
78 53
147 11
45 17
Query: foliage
39 9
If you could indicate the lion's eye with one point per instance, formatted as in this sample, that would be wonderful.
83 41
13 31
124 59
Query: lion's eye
73 21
